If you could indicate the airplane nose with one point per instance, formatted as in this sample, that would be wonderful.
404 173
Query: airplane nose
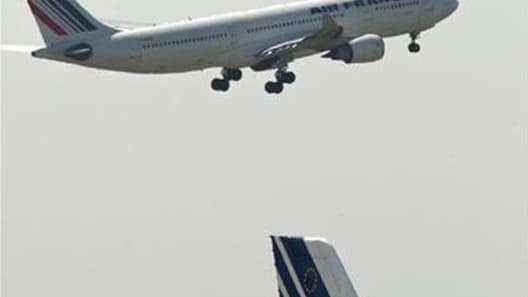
453 5
449 7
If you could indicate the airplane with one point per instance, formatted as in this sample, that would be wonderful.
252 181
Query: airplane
351 31
309 267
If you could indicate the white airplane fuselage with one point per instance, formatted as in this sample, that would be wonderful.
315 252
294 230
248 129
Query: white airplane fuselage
234 40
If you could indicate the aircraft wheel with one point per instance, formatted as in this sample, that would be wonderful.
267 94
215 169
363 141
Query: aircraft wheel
274 87
414 47
236 74
286 77
220 84
232 74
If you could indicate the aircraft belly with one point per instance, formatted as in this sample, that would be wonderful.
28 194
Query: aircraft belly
169 61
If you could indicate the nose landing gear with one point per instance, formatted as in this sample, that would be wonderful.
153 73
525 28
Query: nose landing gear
414 47
228 74
283 77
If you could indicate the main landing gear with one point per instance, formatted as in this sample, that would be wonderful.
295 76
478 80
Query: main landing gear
228 74
283 77
414 47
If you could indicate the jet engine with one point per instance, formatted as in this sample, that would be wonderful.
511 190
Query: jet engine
367 48
80 52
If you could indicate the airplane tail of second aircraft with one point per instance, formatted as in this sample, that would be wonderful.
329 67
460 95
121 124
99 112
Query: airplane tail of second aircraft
65 20
309 267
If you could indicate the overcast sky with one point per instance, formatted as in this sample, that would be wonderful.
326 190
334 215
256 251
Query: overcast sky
416 167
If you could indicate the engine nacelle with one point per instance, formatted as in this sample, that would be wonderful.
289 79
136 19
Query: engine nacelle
367 48
79 52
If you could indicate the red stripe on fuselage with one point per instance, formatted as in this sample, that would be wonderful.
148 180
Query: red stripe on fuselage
43 17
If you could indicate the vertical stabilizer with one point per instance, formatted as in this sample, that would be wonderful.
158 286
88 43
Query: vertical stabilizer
65 20
309 267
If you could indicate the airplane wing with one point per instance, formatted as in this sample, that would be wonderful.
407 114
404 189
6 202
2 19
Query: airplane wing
285 52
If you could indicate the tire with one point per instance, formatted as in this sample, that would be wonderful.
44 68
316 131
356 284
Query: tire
269 88
274 87
289 77
285 77
279 88
236 74
220 85
414 48
232 74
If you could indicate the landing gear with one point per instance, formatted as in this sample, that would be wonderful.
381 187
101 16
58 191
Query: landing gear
283 77
274 87
228 74
232 74
220 85
414 47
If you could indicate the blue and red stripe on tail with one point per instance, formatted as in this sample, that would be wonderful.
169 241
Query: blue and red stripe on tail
44 18
60 20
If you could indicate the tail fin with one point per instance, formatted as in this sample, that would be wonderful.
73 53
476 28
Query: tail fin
309 267
63 20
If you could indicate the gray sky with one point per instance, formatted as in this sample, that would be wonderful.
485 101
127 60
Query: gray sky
125 185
